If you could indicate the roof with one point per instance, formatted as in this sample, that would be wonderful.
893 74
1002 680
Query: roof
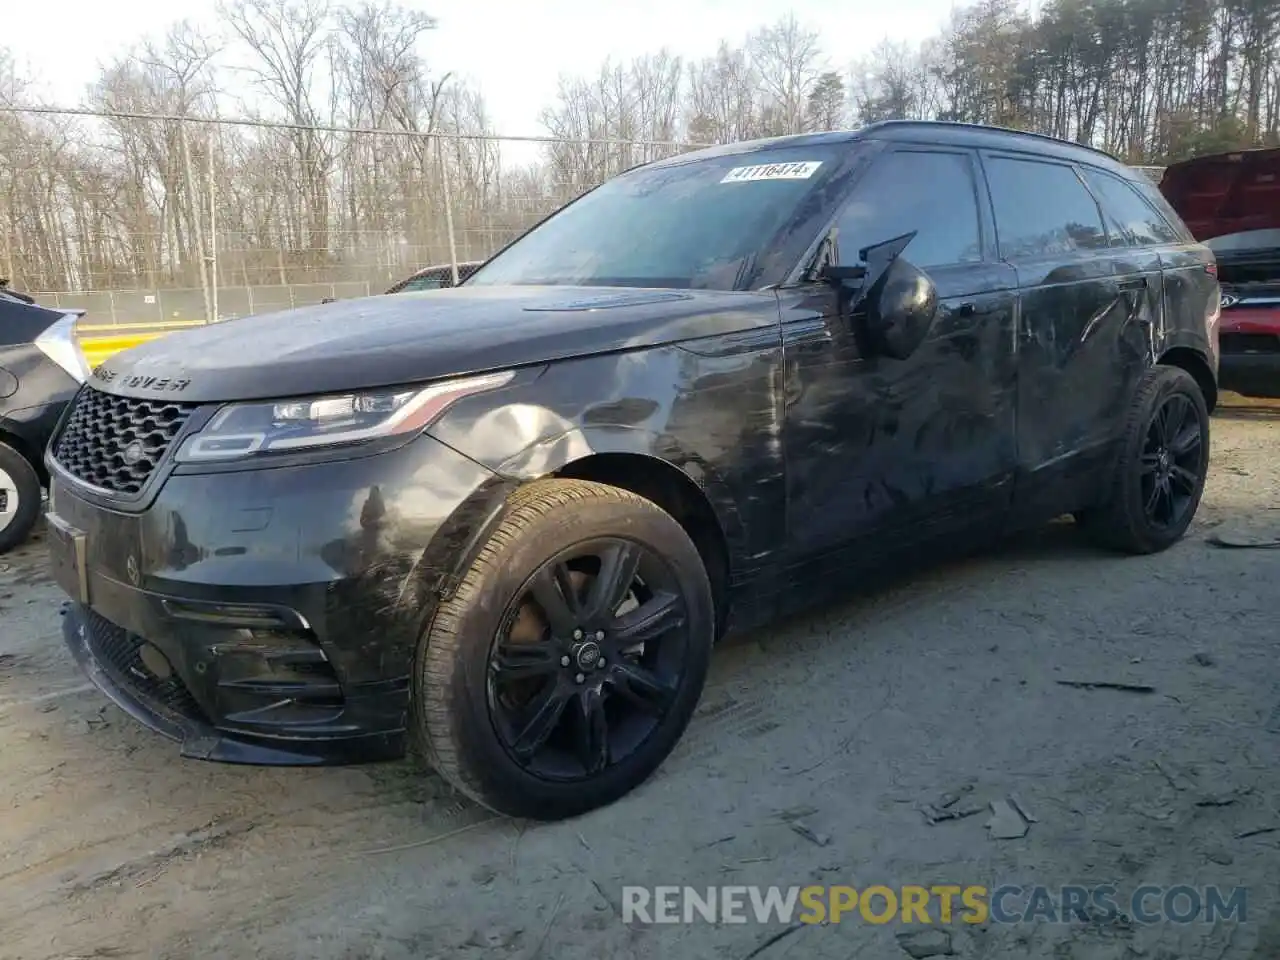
923 131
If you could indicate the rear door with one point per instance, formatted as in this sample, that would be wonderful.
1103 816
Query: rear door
1073 341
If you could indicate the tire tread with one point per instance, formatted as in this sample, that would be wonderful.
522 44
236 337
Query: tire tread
435 729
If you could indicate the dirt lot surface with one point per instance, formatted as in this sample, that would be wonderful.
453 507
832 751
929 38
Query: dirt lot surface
846 721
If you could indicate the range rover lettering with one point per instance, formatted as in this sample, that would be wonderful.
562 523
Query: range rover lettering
506 522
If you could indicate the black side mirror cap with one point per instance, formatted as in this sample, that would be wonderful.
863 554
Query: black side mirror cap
901 309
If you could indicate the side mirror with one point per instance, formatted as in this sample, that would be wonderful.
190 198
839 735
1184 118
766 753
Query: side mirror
901 307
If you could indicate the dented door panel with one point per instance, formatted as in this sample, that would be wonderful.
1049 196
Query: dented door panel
906 449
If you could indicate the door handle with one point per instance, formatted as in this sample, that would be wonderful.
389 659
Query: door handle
1134 283
966 310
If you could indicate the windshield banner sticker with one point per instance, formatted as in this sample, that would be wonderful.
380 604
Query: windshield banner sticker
797 170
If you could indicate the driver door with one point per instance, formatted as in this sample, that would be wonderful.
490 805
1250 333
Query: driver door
883 455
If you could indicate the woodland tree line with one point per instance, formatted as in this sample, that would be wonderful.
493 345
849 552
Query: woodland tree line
127 203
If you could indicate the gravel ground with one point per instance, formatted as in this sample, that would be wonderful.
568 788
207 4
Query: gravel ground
844 722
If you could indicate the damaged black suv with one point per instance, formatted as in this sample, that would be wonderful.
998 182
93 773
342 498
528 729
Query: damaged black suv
506 522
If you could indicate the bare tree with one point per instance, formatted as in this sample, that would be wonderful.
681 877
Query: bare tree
788 60
293 48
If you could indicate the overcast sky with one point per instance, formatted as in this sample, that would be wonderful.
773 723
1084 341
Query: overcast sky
513 49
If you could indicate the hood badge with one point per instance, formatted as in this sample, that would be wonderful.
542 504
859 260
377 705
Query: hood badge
1229 300
139 382
133 453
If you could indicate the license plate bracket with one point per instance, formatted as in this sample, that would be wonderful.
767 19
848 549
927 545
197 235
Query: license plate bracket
68 553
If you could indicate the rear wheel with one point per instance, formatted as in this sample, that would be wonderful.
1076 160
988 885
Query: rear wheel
1160 473
19 498
567 665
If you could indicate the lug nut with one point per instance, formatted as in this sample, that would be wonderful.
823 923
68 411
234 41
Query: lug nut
564 661
579 678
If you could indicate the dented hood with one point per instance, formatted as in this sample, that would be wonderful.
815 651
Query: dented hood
1226 193
416 337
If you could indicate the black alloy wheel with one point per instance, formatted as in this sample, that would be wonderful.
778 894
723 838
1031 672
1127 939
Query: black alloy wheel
1162 462
602 670
1172 471
569 661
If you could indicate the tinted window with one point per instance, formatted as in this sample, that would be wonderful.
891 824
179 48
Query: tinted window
1167 213
1042 209
423 283
932 193
706 223
1127 209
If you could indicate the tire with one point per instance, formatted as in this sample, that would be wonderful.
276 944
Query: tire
1123 522
21 496
455 725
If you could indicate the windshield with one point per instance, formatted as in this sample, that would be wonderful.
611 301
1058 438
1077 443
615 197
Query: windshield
706 224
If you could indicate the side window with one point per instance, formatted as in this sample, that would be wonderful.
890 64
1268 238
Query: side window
932 193
422 283
1042 209
1126 207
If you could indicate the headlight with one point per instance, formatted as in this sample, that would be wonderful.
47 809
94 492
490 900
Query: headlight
243 429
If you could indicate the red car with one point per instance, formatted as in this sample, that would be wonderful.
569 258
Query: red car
1231 202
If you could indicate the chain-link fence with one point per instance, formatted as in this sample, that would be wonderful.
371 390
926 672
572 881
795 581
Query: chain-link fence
154 219
157 220
166 307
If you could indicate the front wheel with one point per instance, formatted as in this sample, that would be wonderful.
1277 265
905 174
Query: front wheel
1160 472
568 663
19 498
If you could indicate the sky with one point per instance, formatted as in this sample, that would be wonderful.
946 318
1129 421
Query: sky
514 50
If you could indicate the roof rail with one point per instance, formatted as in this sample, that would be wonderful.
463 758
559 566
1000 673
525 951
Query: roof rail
926 124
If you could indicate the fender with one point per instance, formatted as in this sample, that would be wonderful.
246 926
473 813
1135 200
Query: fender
550 456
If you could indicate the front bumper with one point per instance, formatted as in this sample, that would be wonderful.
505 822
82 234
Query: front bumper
268 616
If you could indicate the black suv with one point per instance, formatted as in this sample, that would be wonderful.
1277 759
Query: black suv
507 521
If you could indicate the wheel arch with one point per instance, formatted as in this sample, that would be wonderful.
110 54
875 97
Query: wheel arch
672 489
660 469
1191 360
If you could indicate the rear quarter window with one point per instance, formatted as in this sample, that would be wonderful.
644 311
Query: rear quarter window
1151 193
1139 223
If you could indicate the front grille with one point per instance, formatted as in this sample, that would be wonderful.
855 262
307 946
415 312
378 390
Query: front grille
120 653
116 443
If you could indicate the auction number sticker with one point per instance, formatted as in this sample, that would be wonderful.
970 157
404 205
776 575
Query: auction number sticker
797 170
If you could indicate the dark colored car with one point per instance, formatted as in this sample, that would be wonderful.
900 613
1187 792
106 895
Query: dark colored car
513 542
436 278
41 367
1231 201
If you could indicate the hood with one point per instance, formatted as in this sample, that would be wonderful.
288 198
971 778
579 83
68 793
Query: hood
416 337
1226 193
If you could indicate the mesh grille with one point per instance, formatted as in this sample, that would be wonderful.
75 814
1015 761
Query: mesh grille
119 651
438 277
116 443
